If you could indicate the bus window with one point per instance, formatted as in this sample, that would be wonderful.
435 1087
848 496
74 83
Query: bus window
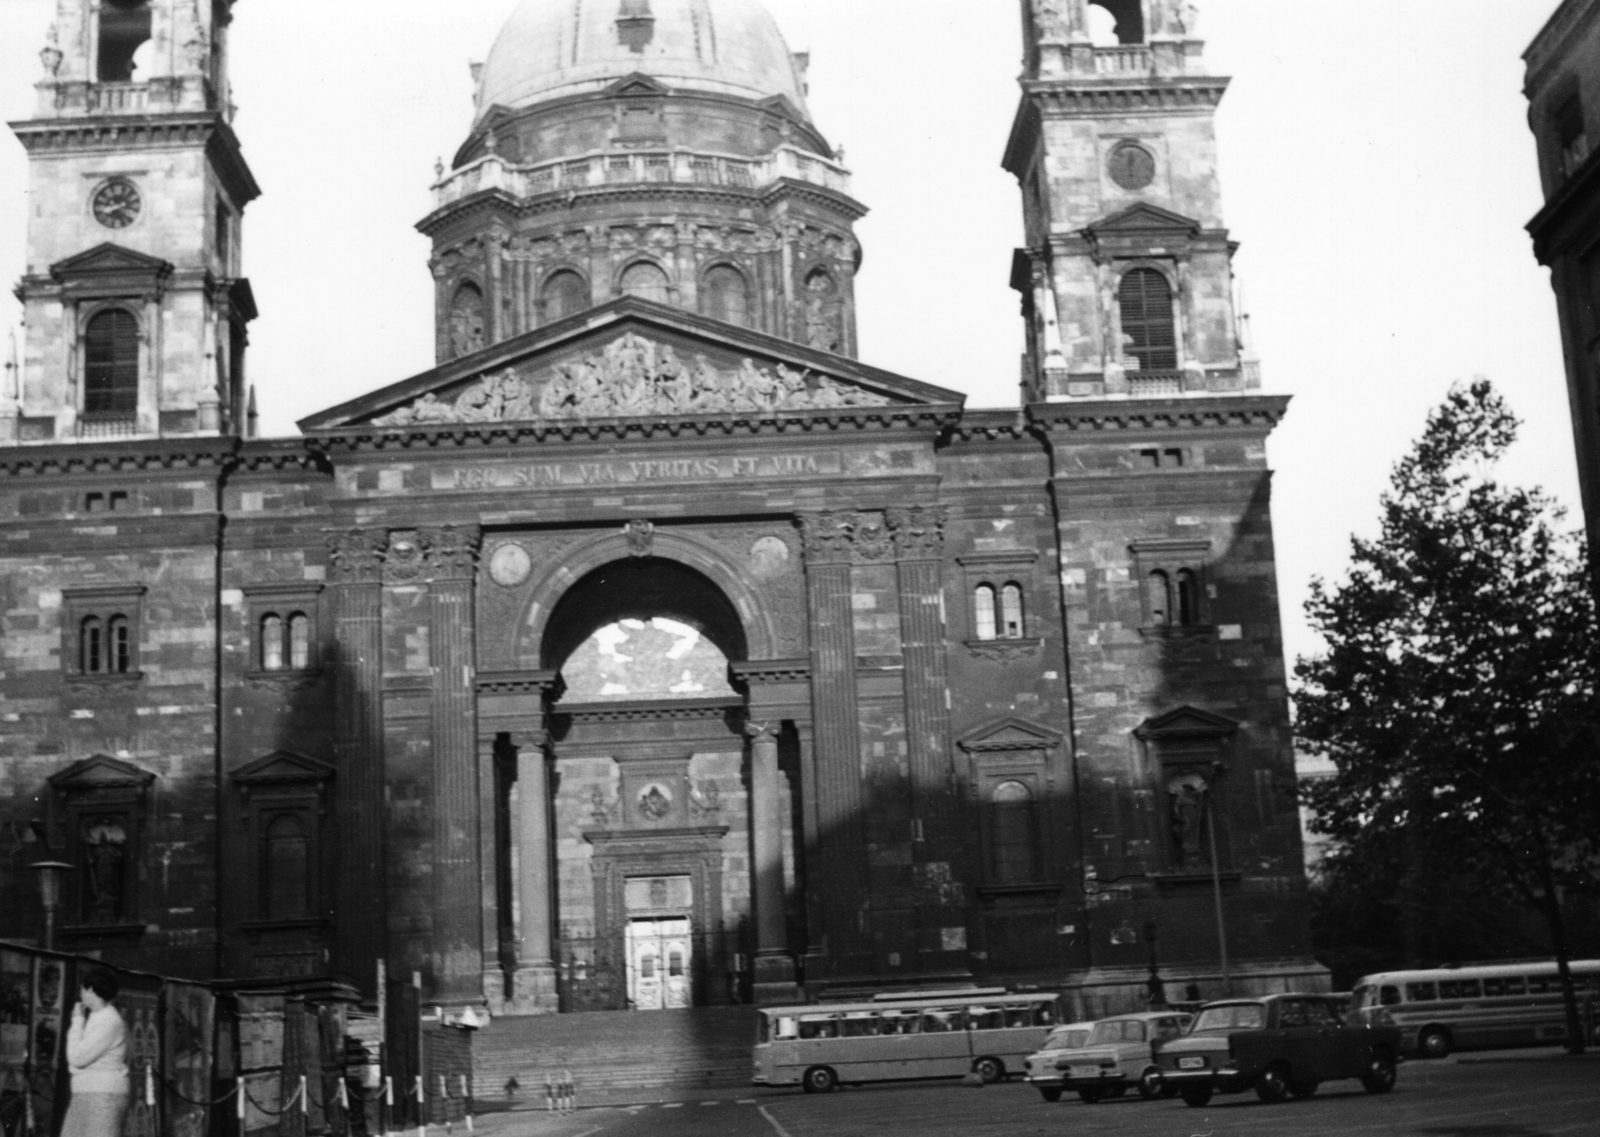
941 1019
1389 995
858 1024
985 1018
1420 993
763 1030
788 1027
1044 1014
1543 984
1025 1015
1459 989
819 1026
900 1022
1511 985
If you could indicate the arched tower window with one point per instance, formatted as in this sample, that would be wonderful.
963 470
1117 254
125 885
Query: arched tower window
1148 328
983 612
1160 599
1188 598
822 311
725 296
1011 612
92 646
299 641
111 363
466 321
647 282
1116 22
124 28
286 883
271 642
1013 839
564 294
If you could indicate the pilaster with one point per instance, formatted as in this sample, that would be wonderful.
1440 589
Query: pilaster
774 965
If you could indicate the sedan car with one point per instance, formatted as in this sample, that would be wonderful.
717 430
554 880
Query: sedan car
1277 1045
1119 1054
1041 1071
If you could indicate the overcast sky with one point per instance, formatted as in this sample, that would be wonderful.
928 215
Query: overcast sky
1376 166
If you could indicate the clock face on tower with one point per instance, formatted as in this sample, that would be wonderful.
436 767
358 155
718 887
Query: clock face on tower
116 204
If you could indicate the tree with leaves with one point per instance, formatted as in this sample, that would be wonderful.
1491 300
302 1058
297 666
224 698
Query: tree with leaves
1457 694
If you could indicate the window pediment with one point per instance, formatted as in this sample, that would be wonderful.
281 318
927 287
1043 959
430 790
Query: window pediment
1187 723
101 772
282 768
1010 734
108 269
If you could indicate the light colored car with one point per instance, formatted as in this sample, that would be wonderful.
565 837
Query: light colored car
1041 1071
1119 1055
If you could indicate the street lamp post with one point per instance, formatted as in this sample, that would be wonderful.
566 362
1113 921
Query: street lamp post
1216 874
51 875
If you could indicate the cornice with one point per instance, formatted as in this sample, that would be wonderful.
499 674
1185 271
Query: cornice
118 457
1088 97
763 671
1226 412
1545 52
1569 214
125 132
645 710
992 425
277 454
516 682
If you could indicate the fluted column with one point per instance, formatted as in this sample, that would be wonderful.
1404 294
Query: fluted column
450 555
828 538
918 535
355 565
774 965
535 983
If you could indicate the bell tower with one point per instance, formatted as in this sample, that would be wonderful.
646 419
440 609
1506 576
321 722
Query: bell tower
1127 279
135 310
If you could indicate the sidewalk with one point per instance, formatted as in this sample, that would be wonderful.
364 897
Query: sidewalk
1539 1054
540 1123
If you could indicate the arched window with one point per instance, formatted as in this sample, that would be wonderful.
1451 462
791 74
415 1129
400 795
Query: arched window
299 641
726 297
286 865
1188 599
466 321
822 311
1148 329
647 282
564 294
119 646
983 612
124 27
1160 599
1115 22
92 646
1013 839
271 642
111 363
1011 612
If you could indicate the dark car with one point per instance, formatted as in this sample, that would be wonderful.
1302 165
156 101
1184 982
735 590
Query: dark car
1277 1045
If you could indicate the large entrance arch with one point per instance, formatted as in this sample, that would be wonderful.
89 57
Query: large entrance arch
669 857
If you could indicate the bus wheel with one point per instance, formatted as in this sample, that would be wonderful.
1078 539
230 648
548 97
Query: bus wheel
1379 1078
1050 1093
989 1069
1434 1042
819 1080
1196 1097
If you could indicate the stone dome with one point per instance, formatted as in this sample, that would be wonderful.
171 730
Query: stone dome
549 49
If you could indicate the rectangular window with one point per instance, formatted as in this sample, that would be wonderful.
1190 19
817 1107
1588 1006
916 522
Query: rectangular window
1459 989
1420 993
283 627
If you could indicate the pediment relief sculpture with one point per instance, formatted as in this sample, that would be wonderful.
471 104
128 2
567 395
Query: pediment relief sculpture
632 376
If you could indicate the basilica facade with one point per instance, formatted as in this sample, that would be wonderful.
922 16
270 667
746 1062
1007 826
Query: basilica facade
650 649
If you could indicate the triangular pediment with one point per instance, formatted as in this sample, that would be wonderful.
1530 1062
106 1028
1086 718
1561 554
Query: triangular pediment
1143 217
282 766
628 359
1187 722
106 259
636 86
1011 734
783 105
101 772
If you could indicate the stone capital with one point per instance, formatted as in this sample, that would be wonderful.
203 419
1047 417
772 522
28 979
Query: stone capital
451 551
356 556
762 730
918 531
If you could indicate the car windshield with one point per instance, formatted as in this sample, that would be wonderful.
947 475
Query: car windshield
1113 1031
1236 1016
1066 1039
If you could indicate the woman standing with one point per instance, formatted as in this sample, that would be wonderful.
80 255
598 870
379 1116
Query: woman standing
97 1055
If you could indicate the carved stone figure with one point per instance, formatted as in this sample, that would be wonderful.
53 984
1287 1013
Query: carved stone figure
1186 794
105 849
1053 20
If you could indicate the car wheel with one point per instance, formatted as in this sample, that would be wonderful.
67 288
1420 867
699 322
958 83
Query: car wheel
1303 1089
1092 1095
1434 1042
991 1070
1050 1093
1273 1085
1379 1078
820 1080
1196 1097
1150 1083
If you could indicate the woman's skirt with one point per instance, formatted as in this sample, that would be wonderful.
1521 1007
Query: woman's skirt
95 1115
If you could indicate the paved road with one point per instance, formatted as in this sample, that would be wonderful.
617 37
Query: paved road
1518 1097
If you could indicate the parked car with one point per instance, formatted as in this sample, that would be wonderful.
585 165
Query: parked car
1118 1055
1277 1045
1040 1068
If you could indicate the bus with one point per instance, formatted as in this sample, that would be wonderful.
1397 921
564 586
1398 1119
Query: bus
1477 1005
900 1035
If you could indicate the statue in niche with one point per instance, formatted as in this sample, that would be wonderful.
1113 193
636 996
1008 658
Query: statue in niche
105 853
1186 816
1054 20
822 312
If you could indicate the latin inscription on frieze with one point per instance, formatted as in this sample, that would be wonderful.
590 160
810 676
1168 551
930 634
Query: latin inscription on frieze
640 471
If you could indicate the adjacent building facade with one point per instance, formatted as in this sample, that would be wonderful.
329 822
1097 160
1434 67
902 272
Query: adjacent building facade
650 649
1563 89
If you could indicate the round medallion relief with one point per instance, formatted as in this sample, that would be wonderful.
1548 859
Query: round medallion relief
1132 166
509 565
769 556
655 801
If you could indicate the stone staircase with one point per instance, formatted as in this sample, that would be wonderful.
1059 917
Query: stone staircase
613 1054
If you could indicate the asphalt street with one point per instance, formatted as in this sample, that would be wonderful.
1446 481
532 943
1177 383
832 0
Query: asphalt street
1513 1096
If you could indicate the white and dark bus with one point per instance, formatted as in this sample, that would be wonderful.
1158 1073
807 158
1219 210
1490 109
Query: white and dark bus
1477 1005
902 1035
